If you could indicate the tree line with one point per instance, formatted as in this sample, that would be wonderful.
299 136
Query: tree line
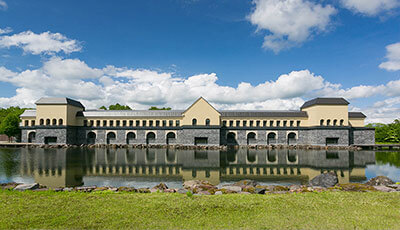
387 132
9 121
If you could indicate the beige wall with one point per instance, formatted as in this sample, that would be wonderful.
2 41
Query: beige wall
201 110
141 121
262 119
326 112
65 112
359 122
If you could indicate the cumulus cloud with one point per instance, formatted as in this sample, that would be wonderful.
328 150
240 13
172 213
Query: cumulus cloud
393 58
46 42
3 5
289 22
140 88
370 7
5 30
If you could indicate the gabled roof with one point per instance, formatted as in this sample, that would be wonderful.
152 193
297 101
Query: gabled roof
356 115
58 101
201 98
28 113
325 101
263 113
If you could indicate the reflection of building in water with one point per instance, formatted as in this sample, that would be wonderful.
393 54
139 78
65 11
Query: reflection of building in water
61 167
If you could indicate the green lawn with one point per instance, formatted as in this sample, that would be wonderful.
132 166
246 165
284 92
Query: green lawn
327 210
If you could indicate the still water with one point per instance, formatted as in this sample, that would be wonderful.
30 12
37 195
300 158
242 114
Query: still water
148 167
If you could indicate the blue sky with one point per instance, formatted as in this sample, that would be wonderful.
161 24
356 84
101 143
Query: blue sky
270 54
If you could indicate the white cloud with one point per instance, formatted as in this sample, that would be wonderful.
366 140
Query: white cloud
393 58
370 7
3 5
140 88
289 22
5 30
46 42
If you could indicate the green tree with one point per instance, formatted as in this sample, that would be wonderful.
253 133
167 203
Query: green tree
116 107
10 125
156 108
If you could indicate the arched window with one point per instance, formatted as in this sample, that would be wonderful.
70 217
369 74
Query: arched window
130 137
47 121
60 121
231 138
170 137
54 122
291 139
194 121
328 122
41 122
271 138
150 137
91 138
341 122
207 121
111 137
334 122
251 137
321 122
31 137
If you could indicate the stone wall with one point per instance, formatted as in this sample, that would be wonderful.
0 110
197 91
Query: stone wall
187 136
363 137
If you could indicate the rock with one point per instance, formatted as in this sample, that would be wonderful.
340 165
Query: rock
23 187
197 186
85 188
260 190
170 190
153 190
218 193
324 180
10 185
113 189
244 183
143 190
356 187
204 193
41 189
100 189
233 188
58 189
382 188
246 193
68 189
126 189
395 186
161 187
379 180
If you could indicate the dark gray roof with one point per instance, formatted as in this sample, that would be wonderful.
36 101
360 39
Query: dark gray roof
262 113
356 115
325 101
28 113
58 101
131 113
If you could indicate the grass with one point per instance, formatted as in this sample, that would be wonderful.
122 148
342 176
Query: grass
387 143
327 210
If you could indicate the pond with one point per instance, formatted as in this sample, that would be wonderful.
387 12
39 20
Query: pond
147 167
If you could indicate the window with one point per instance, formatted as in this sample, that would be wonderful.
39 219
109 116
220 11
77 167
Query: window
284 123
237 123
111 123
271 123
118 123
328 122
124 123
137 123
264 123
157 123
85 123
41 122
291 123
47 121
278 123
332 140
91 123
177 123
60 122
251 123
131 123
26 123
298 123
104 123
230 123
164 123
33 123
258 123
97 123
244 123
321 122
150 123
223 123
334 122
341 122
144 123
194 121
207 121
171 123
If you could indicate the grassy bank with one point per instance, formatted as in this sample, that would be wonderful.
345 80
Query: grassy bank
331 210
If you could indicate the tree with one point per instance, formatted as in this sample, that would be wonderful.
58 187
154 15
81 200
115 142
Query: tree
10 125
116 107
156 108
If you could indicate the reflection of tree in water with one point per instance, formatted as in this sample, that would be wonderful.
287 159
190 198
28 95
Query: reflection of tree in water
391 158
9 161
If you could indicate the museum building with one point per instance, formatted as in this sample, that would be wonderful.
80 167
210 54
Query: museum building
321 121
